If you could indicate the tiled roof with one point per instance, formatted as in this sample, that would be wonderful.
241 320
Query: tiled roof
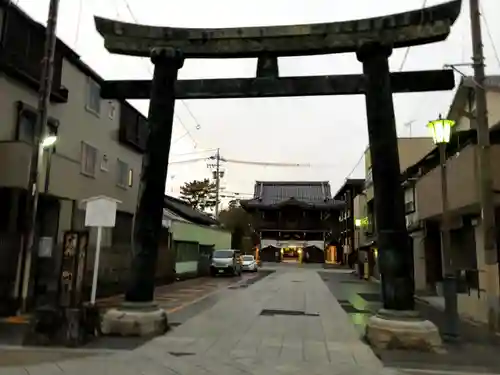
356 183
184 210
311 192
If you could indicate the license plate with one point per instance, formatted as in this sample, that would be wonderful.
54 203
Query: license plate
220 271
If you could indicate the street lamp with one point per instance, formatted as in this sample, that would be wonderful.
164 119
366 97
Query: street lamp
48 141
441 132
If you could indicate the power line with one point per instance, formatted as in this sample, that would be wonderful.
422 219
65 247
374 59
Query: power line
407 51
197 152
78 23
356 165
488 31
188 133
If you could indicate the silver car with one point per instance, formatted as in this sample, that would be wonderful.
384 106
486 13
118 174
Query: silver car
249 263
226 262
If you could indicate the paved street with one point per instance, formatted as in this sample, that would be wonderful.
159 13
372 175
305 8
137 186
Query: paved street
176 296
288 322
476 353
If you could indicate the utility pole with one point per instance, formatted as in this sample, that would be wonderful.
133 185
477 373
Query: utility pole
217 182
47 71
484 170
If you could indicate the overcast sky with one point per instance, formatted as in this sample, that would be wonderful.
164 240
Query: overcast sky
327 132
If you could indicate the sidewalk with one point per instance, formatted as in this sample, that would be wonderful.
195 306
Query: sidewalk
288 323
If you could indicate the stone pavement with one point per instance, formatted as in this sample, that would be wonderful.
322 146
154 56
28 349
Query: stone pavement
304 330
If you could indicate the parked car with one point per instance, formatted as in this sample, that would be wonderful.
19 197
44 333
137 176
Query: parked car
249 263
226 262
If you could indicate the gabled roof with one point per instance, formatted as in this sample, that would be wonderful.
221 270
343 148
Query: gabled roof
184 210
465 88
357 184
301 193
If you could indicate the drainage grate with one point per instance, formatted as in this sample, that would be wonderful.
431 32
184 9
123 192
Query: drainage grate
370 297
269 312
180 354
297 281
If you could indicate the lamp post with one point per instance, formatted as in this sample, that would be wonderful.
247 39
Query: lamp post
441 132
357 224
44 143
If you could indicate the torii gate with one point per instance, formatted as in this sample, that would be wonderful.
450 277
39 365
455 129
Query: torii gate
371 39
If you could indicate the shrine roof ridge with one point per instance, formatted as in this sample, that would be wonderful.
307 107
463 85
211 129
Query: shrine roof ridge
422 26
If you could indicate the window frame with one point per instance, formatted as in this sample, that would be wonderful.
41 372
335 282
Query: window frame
24 111
90 84
122 180
85 146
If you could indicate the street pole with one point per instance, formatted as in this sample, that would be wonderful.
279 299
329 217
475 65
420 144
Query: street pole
449 278
217 183
46 75
484 169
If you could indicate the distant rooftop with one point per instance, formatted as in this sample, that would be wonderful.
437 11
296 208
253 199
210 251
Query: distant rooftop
272 192
308 194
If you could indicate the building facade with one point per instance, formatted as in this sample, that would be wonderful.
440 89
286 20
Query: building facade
467 250
294 219
347 193
98 151
410 151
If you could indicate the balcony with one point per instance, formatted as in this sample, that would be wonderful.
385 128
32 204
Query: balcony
462 178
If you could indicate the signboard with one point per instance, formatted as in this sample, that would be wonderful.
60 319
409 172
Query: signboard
100 211
74 257
45 246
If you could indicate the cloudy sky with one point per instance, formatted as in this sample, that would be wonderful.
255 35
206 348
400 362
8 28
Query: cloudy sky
327 133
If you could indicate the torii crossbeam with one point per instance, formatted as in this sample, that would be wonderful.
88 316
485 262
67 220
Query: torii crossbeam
372 40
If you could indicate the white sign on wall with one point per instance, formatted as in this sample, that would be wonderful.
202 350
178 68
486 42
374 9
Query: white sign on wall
100 211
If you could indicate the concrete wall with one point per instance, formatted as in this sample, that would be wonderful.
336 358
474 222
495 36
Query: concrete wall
76 125
462 181
493 102
360 212
411 150
221 239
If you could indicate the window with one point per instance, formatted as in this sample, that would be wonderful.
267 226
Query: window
26 127
368 178
89 159
130 177
93 103
125 175
104 163
111 110
186 251
409 200
26 124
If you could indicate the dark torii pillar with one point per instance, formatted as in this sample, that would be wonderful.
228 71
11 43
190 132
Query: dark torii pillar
395 254
397 324
148 318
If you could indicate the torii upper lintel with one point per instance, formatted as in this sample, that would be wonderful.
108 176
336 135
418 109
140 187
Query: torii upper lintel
406 29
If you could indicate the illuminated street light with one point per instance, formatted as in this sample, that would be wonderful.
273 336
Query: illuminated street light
48 141
441 130
441 133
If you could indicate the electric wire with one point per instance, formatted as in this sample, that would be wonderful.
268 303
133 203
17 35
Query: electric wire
78 23
490 36
188 133
407 51
356 165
